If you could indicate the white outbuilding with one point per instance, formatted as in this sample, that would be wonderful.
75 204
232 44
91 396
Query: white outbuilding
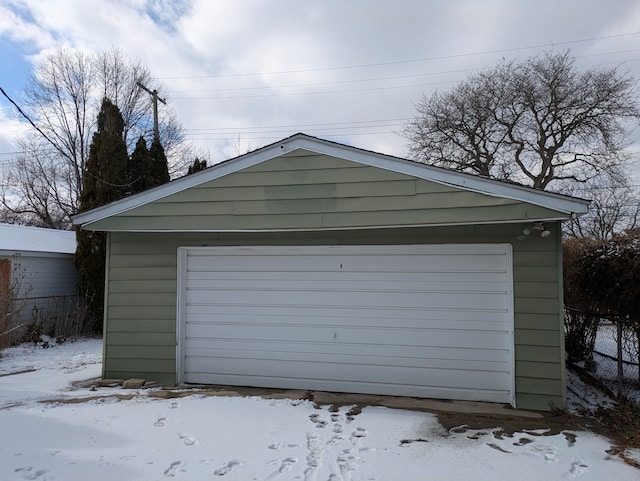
38 279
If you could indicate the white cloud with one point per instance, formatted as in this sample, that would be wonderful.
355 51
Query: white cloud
21 30
199 48
10 129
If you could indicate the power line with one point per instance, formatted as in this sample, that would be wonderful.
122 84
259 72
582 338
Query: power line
274 137
312 84
398 62
332 129
351 90
29 119
375 79
326 124
325 92
319 92
211 134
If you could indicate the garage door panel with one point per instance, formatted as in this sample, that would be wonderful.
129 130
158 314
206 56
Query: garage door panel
319 299
396 389
462 285
375 336
337 321
409 315
434 321
370 373
364 373
258 349
408 278
201 358
283 261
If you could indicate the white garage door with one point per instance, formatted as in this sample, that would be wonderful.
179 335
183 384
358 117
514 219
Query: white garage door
414 320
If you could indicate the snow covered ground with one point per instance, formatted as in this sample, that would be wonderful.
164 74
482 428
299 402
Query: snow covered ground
250 438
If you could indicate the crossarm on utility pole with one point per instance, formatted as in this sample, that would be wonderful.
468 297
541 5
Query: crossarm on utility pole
154 95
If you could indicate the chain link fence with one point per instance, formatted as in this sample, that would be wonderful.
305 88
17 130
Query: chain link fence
607 348
615 357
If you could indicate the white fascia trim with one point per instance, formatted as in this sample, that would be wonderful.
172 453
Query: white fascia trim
367 227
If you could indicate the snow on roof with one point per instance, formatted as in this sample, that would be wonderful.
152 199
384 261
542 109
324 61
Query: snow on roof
19 238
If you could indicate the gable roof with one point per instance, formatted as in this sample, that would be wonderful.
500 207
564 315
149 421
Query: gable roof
302 142
19 238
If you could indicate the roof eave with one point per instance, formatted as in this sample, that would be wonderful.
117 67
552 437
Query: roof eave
557 202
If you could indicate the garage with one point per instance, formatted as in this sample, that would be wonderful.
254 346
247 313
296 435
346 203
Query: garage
413 320
314 265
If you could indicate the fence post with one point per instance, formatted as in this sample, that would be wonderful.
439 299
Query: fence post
620 363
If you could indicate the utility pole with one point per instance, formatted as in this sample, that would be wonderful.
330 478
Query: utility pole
154 95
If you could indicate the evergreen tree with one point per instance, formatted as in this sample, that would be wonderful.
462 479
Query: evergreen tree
197 166
104 180
159 169
140 168
147 167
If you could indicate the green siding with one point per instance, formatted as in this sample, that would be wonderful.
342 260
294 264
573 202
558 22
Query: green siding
322 200
140 337
536 386
529 320
538 290
316 192
541 370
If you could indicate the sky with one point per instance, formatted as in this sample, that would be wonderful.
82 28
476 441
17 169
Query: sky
247 73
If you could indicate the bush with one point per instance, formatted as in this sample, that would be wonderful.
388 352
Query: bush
580 329
623 420
580 320
610 275
607 274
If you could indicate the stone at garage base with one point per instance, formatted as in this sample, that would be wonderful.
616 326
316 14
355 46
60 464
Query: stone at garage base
133 383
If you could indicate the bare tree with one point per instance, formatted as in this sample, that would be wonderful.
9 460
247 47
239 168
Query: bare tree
42 187
62 99
58 100
117 78
615 207
237 148
532 122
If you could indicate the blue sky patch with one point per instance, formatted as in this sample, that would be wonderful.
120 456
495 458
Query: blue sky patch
15 68
166 13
